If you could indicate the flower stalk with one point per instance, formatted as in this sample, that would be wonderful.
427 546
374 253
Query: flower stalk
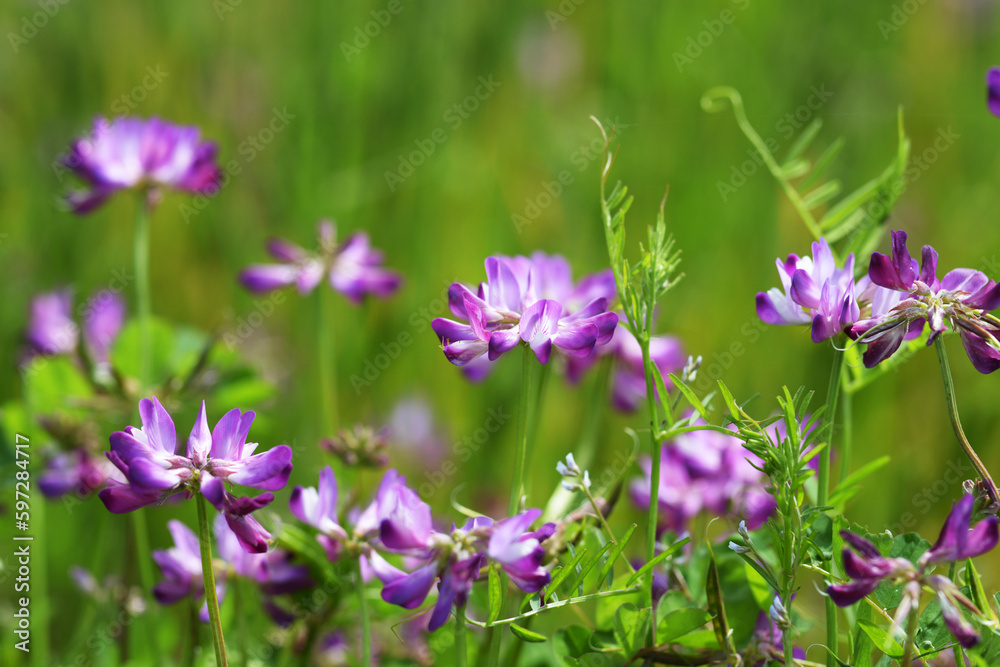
366 633
208 571
956 423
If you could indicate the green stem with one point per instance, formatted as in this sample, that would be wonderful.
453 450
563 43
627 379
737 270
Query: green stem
140 252
366 632
654 482
208 571
529 380
823 492
327 366
463 654
710 102
911 633
241 623
956 423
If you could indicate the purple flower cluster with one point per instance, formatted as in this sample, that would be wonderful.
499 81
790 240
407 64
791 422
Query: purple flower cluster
814 290
399 522
706 471
958 540
157 466
274 572
533 300
52 330
904 296
136 153
353 267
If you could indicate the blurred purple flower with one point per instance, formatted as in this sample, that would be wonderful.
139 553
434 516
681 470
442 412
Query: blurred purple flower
132 152
150 458
958 541
103 319
913 296
706 471
51 329
530 300
353 267
813 289
993 90
76 472
405 524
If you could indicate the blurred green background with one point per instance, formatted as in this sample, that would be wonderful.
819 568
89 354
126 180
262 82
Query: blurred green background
356 105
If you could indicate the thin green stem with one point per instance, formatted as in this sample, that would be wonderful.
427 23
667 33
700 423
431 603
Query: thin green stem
580 599
460 648
208 571
956 423
911 633
366 631
241 622
140 252
327 365
710 102
654 482
823 490
194 623
529 378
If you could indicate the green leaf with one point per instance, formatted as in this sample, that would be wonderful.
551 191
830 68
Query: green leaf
824 161
496 594
653 563
630 626
689 394
804 139
821 194
680 622
55 384
882 640
609 564
727 396
716 605
850 485
975 585
572 642
526 635
588 566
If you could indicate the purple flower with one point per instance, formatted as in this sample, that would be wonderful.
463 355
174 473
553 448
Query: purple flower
405 524
993 90
103 319
958 540
136 153
51 329
155 468
519 551
353 267
319 510
908 296
813 289
530 300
